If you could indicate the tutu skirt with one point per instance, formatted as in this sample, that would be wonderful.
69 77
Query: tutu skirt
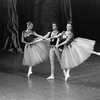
35 53
77 52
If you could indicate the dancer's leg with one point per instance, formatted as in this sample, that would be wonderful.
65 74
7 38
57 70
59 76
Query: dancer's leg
51 56
96 53
29 71
66 74
57 52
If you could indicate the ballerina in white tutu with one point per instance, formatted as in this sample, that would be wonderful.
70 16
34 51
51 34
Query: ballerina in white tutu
74 51
35 50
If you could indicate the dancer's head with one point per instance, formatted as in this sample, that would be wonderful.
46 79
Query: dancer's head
69 26
54 26
29 25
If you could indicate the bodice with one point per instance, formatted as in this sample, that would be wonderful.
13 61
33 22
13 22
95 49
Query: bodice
53 41
29 37
63 38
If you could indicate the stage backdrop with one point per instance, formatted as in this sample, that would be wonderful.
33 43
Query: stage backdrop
15 13
86 18
9 25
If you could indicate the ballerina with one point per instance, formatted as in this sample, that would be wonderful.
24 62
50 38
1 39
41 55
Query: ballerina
35 50
74 51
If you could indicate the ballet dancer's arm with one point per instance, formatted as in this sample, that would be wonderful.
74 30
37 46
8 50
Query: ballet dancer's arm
44 37
58 40
47 35
22 39
35 41
68 38
39 36
57 36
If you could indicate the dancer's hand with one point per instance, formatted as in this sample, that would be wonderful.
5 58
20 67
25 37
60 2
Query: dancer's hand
49 39
57 46
34 42
45 38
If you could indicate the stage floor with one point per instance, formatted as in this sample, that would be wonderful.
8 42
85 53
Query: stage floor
84 83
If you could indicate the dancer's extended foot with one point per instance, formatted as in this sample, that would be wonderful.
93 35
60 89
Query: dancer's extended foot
29 73
98 53
50 77
67 76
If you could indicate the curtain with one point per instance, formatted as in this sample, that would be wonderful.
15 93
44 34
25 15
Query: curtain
11 35
65 13
15 13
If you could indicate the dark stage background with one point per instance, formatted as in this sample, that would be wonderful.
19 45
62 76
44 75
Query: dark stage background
15 13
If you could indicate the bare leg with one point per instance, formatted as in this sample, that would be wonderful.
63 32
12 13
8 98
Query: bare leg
29 71
96 53
51 55
64 72
57 52
67 74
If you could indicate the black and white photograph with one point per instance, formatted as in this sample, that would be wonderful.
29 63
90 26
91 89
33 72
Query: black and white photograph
49 49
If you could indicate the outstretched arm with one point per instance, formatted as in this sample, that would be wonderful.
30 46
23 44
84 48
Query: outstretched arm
40 36
57 36
68 38
47 35
58 40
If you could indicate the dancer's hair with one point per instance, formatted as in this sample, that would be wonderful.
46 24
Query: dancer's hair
29 23
70 22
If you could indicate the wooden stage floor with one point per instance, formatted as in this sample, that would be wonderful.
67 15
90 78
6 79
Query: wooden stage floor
84 83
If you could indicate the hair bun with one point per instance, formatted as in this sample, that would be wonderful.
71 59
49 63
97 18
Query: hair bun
29 23
70 22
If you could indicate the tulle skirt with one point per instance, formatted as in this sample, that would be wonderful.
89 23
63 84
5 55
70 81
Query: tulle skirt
35 53
77 52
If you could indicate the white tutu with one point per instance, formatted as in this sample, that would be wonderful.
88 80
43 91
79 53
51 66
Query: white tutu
77 52
35 53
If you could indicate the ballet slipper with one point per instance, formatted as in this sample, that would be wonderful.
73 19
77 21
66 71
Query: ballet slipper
66 77
50 77
29 73
64 72
98 53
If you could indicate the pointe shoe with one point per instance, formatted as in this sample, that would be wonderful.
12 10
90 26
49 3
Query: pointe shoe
98 53
66 77
50 78
29 73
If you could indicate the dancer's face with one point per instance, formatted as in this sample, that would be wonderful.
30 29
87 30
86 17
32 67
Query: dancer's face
69 27
54 26
30 26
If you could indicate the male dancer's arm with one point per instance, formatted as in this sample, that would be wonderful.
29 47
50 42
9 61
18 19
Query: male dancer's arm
57 36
